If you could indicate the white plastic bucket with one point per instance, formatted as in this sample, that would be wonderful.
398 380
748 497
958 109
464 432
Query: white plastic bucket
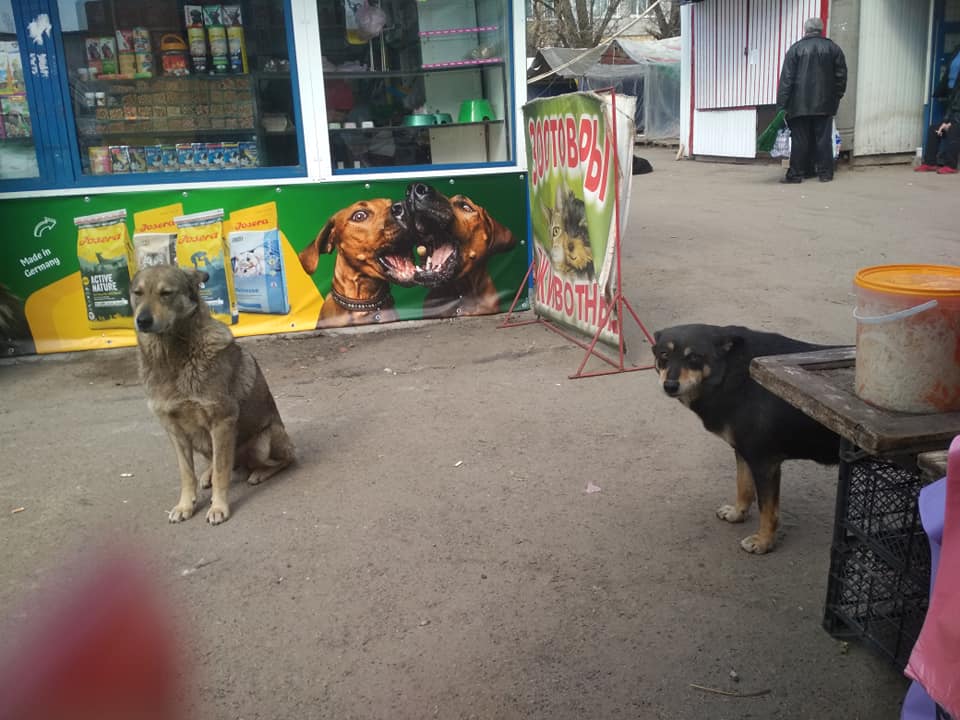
908 337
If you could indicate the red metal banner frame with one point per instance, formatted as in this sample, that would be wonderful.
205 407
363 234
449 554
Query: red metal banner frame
617 303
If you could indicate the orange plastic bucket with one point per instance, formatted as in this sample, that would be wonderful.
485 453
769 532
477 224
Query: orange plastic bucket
908 337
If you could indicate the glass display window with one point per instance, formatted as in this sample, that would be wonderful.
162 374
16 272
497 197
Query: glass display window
18 152
174 87
416 82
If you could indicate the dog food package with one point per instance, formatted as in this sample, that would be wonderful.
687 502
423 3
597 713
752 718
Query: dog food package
214 156
256 257
93 53
138 160
106 265
201 156
231 155
168 158
108 55
186 156
119 158
153 154
155 236
201 245
249 155
124 41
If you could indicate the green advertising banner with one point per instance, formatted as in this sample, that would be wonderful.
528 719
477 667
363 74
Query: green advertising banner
280 259
574 157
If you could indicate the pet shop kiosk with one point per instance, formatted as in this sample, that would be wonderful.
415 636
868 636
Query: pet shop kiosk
269 121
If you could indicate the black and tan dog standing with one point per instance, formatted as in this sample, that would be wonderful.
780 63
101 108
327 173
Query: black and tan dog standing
207 391
707 368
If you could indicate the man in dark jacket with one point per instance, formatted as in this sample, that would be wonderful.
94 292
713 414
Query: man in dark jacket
813 79
943 138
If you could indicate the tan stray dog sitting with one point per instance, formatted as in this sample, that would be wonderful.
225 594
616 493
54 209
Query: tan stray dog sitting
374 249
457 239
207 391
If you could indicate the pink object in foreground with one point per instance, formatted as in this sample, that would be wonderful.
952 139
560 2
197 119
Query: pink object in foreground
935 660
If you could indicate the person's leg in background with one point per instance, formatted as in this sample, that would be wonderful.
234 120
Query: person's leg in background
822 126
949 150
930 150
801 149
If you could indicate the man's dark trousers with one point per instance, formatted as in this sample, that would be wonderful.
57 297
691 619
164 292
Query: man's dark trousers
811 146
942 149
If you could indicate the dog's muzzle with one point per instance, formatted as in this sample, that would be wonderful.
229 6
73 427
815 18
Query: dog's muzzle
671 387
144 322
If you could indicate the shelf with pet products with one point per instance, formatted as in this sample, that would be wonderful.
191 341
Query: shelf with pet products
452 67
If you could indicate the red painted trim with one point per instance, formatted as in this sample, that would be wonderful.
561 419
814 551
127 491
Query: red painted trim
693 74
825 13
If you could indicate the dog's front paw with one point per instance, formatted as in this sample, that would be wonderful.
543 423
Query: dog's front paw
183 511
218 513
731 514
757 544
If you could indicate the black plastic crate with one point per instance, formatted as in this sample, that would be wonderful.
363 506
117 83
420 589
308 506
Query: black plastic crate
879 499
878 588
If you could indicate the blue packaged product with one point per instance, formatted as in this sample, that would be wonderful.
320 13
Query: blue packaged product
256 258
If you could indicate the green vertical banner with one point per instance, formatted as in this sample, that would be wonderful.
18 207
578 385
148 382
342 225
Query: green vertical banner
579 169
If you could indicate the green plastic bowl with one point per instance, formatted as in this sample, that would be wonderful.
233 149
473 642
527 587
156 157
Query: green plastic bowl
476 110
419 120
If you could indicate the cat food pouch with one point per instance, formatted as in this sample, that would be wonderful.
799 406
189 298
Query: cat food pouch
202 246
256 257
155 236
107 262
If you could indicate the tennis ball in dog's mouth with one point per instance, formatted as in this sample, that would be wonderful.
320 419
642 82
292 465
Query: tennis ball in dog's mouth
421 250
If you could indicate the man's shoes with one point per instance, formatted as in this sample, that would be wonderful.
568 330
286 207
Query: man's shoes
947 170
791 180
925 168
826 178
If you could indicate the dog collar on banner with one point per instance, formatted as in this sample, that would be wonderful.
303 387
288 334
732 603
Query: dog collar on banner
375 304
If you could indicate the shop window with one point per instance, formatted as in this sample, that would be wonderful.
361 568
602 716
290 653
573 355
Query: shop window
171 87
18 154
951 11
411 83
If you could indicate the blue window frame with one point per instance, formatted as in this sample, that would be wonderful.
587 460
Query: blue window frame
116 113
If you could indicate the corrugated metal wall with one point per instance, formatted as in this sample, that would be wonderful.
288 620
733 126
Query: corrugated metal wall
890 78
763 59
739 47
725 133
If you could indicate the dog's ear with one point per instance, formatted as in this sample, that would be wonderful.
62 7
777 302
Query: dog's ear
501 239
656 337
323 243
726 343
195 278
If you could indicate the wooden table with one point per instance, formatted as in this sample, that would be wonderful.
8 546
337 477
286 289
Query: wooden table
879 558
821 385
